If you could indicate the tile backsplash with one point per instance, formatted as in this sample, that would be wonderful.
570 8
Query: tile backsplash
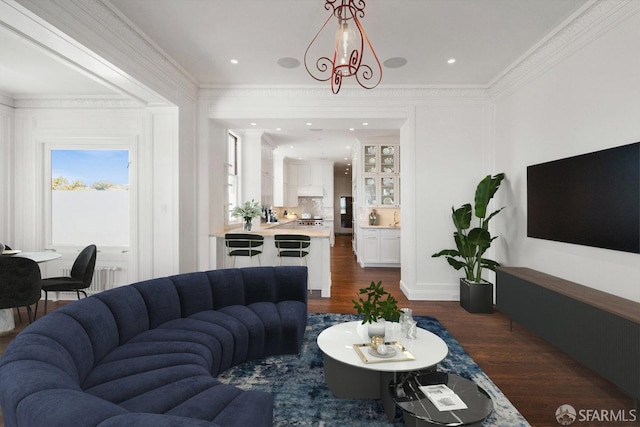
310 205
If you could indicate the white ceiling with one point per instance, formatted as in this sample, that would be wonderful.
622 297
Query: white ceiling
202 36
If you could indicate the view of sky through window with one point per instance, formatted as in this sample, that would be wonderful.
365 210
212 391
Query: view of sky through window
91 166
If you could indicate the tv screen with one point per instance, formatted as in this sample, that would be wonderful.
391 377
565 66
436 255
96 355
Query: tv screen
591 199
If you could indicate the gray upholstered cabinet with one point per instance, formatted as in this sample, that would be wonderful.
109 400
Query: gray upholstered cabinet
598 329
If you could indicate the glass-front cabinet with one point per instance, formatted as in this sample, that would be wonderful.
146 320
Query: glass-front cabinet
388 163
380 158
371 160
371 186
380 175
381 191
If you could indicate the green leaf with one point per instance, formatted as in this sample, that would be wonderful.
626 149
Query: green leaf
480 237
462 217
448 252
485 192
485 223
490 264
456 264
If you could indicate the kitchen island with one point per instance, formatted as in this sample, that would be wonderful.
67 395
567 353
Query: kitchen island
318 260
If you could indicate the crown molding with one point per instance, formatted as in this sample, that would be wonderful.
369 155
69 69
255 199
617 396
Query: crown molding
589 22
78 103
207 92
7 101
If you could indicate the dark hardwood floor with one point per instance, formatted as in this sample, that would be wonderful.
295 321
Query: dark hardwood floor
534 375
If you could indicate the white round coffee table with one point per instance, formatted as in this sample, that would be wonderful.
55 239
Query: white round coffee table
349 376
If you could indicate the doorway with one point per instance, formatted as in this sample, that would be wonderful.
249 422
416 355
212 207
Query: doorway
346 215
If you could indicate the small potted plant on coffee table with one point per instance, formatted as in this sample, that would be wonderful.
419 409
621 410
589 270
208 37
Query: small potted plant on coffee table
378 306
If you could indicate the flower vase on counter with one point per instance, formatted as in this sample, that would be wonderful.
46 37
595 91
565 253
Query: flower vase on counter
247 211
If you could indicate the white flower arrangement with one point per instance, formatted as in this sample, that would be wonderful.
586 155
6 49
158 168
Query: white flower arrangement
247 210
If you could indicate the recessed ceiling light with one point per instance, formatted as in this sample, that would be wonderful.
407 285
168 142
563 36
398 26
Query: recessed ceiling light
309 123
278 128
451 61
365 124
348 147
234 61
291 146
352 129
254 124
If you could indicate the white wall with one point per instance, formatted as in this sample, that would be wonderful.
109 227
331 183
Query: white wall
452 153
588 102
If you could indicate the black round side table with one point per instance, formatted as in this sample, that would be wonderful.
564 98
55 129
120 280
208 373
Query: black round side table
420 411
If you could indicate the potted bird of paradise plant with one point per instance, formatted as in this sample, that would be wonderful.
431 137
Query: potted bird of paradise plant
476 294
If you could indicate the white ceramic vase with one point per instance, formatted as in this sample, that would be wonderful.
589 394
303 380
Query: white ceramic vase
376 329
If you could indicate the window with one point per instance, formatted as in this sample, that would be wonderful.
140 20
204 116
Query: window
90 197
233 193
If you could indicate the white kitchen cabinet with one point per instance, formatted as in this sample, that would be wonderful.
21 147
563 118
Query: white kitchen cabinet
370 246
390 246
311 179
378 247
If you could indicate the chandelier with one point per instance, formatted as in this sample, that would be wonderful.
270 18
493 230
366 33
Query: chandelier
350 42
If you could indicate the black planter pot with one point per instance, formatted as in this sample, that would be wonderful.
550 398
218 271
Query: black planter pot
476 297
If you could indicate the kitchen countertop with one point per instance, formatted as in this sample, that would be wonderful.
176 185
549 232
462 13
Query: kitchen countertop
272 229
380 226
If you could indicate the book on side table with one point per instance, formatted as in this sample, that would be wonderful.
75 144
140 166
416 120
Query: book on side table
442 397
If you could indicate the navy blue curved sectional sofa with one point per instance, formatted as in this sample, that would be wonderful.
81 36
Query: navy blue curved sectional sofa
148 354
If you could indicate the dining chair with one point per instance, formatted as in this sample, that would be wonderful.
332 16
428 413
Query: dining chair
243 244
292 246
20 284
79 279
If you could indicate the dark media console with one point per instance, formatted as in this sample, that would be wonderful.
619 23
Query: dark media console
598 329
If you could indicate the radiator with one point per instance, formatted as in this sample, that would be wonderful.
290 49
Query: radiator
104 277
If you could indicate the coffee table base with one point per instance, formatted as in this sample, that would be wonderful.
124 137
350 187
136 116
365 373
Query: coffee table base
349 382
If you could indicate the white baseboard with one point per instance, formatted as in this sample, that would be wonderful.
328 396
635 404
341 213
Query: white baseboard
432 291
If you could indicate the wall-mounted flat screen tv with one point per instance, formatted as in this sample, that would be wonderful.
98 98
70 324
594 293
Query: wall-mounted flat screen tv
592 199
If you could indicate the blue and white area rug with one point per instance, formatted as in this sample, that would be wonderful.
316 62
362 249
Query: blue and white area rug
302 398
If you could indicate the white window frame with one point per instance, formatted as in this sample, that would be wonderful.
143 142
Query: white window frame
229 220
87 143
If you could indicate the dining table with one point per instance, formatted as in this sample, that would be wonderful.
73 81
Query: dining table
7 322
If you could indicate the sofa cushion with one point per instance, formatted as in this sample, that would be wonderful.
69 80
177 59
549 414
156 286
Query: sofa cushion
161 299
195 292
227 287
62 408
131 318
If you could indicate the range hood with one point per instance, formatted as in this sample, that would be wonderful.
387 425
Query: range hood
310 191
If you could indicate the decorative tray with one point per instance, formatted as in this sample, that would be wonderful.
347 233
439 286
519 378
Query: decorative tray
11 251
368 354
